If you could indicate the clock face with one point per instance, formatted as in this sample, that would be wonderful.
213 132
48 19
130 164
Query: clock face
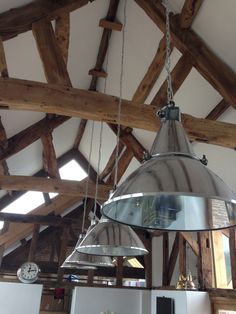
28 272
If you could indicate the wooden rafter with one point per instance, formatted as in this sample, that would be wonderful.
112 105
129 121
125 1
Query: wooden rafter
28 95
73 188
62 33
20 20
209 65
218 110
178 75
189 12
17 231
49 220
53 63
49 156
127 138
152 74
102 51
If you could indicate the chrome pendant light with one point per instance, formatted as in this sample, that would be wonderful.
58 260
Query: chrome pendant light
85 261
109 238
173 190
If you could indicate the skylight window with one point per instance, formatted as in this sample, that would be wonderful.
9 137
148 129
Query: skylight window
71 171
24 204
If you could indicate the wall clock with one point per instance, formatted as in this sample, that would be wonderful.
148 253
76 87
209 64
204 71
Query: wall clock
28 272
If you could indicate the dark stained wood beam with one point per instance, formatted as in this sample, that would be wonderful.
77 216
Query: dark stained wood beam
80 133
62 255
152 74
182 255
111 162
218 110
173 258
106 35
62 33
232 249
122 166
58 99
119 271
189 12
33 244
30 135
178 75
51 55
102 50
17 231
205 260
49 220
115 26
165 261
51 268
20 20
49 156
127 138
4 170
191 242
3 62
209 65
73 188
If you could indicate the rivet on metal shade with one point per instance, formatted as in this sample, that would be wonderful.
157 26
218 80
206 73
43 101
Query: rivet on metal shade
173 190
109 238
85 261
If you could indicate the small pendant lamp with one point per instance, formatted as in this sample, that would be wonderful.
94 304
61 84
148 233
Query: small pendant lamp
109 238
85 261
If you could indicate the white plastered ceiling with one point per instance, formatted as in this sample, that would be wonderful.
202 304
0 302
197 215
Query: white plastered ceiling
215 23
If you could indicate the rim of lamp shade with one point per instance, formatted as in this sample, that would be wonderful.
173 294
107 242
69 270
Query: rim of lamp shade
173 190
112 239
85 261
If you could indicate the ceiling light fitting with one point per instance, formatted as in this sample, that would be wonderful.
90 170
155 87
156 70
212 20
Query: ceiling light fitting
109 238
84 261
173 190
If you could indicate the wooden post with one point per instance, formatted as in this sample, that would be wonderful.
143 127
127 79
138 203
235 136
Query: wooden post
205 261
90 276
62 256
165 248
232 247
119 271
33 244
148 263
182 255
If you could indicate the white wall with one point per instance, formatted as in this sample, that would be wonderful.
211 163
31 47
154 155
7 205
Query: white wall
186 302
180 298
198 302
20 298
121 301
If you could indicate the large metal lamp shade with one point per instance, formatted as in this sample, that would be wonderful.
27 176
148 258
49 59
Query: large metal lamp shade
109 238
85 261
173 190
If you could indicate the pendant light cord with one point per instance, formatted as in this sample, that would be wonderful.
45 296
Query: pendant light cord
170 94
88 173
100 144
120 97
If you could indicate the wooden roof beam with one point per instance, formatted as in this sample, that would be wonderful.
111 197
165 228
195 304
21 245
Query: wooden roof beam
219 109
178 75
58 99
209 65
68 187
20 20
152 74
189 12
